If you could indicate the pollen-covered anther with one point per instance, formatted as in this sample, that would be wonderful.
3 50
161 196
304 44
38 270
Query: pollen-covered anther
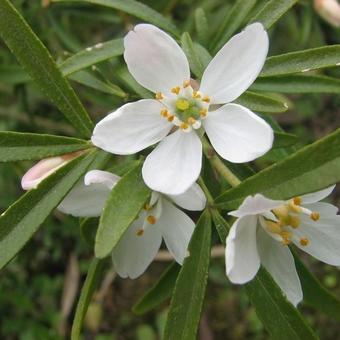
191 120
286 235
140 232
176 89
164 113
184 126
294 207
159 96
151 219
186 83
294 221
304 241
206 99
297 200
315 216
273 227
203 113
196 95
147 206
171 118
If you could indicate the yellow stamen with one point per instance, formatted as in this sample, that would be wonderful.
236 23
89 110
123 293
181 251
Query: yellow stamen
171 118
164 113
293 221
273 227
151 219
297 200
184 126
206 99
196 95
304 241
191 120
182 104
315 216
147 206
176 89
186 83
281 211
159 96
203 113
140 232
294 207
286 237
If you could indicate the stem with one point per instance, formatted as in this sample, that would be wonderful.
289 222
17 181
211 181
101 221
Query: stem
220 167
206 191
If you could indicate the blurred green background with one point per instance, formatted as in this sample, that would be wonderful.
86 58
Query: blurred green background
39 289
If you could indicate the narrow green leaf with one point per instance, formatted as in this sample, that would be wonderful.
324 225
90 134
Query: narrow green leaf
190 51
260 103
88 228
281 319
92 279
202 54
314 294
92 55
121 209
159 292
17 146
310 169
232 21
302 61
298 84
283 139
201 25
34 57
23 218
134 8
187 300
272 12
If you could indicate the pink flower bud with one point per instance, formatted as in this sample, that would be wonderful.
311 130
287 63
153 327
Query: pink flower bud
328 10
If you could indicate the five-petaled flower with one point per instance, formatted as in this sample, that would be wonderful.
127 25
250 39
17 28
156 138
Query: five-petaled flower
264 228
160 218
157 62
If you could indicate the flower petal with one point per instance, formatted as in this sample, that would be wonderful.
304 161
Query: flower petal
132 128
134 253
236 65
176 228
323 236
88 200
242 258
316 196
192 199
237 134
279 262
154 59
254 205
175 164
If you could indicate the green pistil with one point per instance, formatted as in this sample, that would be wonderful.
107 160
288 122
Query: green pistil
186 108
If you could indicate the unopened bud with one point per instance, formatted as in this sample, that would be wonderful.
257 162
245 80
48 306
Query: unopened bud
328 10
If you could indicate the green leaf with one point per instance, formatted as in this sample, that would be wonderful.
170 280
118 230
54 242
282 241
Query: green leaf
314 294
88 228
281 319
298 84
310 169
94 274
231 22
260 103
92 55
159 292
195 62
121 209
272 12
302 61
16 146
134 8
187 300
201 25
283 139
34 57
23 218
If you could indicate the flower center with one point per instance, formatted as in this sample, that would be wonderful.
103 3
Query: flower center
288 216
185 107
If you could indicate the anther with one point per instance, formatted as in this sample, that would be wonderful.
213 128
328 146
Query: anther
171 118
294 207
294 221
203 113
196 95
184 126
159 96
186 83
191 120
176 89
286 237
206 99
147 206
151 219
273 227
140 232
304 241
297 200
164 113
314 216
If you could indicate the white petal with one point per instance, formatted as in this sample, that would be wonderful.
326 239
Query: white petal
236 65
317 196
133 254
175 164
242 258
237 134
254 205
154 59
323 236
176 228
279 262
132 128
324 209
192 199
101 177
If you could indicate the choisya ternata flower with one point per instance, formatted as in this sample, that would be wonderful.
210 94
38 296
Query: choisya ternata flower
160 218
178 111
264 228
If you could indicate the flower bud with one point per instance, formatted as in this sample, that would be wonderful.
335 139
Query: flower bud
328 10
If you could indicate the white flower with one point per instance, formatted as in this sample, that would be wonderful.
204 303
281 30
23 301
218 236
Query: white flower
265 227
159 219
157 62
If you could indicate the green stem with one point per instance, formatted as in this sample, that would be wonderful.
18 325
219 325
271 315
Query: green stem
216 162
206 191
